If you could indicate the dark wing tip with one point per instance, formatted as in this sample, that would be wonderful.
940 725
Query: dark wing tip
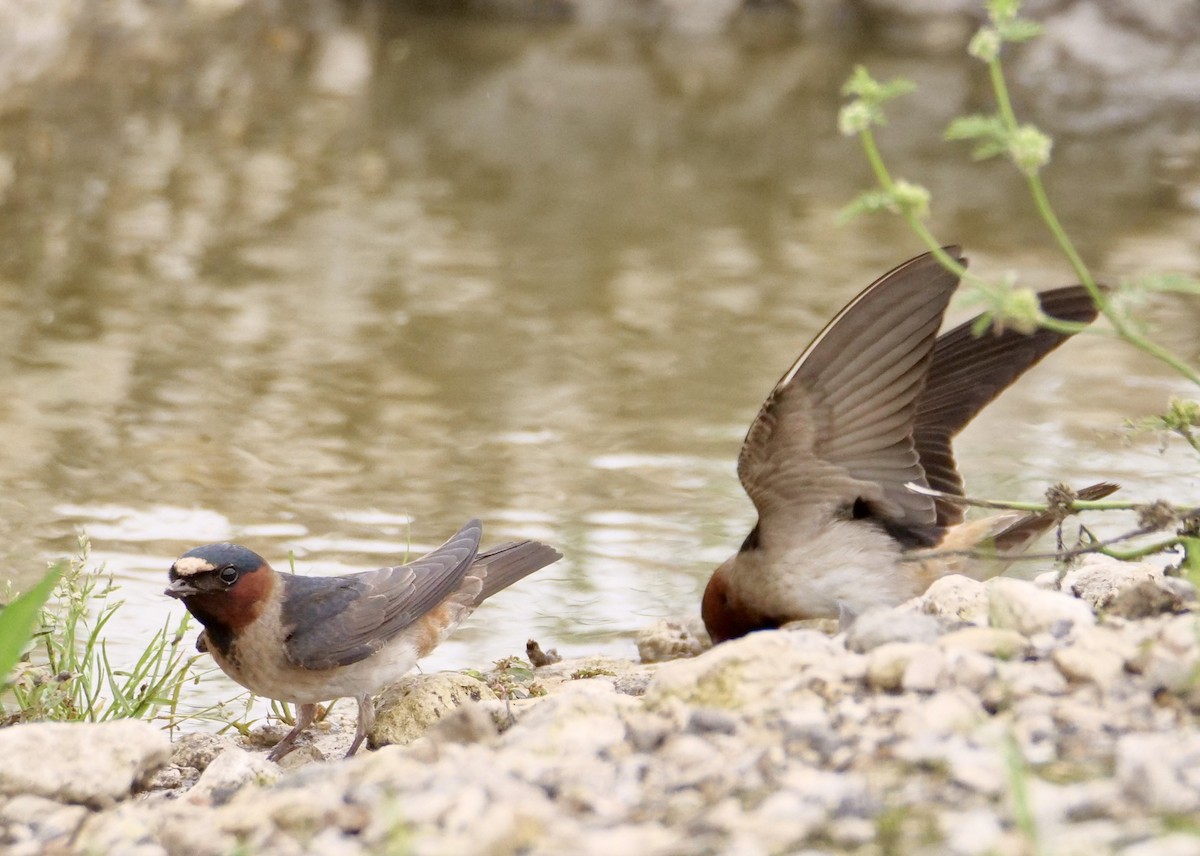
1069 303
1093 492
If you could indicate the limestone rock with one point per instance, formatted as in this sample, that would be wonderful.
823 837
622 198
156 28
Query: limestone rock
889 666
403 712
1021 606
881 626
992 641
671 639
741 672
96 764
1153 597
958 597
1175 844
40 822
1098 656
1129 589
1159 771
229 772
1170 658
197 751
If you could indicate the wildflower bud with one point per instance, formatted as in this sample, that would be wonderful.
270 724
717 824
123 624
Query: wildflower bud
1022 311
985 45
854 118
1059 499
1030 149
1182 414
1157 515
912 199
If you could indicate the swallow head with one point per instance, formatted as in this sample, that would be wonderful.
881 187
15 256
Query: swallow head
224 586
725 615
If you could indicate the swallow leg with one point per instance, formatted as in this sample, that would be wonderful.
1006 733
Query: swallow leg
305 714
366 719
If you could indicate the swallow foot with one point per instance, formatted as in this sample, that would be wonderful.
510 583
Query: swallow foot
305 715
366 719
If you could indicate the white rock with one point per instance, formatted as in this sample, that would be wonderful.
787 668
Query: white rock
95 764
582 718
969 669
925 672
1021 606
1158 771
1034 733
971 833
1083 838
1056 806
784 818
229 772
1170 659
1031 679
851 832
671 639
1096 655
405 710
127 829
888 664
39 820
881 626
197 751
981 770
1171 844
944 713
958 597
1098 580
992 641
754 671
973 766
1051 580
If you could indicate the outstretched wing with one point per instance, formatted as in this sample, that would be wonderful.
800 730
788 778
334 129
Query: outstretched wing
838 427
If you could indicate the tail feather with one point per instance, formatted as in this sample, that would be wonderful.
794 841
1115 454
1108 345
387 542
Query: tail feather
502 566
1020 534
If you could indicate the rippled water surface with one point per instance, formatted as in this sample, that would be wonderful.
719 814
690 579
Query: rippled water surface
335 289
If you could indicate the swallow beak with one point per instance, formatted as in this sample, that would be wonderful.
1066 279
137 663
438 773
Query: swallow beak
180 588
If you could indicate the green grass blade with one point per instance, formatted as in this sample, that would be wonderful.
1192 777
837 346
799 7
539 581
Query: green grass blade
18 619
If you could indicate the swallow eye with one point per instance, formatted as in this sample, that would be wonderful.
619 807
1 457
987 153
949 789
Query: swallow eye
228 576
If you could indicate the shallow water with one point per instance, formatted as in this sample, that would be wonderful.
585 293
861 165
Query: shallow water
336 288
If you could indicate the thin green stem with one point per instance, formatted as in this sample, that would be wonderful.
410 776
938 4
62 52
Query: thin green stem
1191 558
1142 552
1046 211
875 159
1000 88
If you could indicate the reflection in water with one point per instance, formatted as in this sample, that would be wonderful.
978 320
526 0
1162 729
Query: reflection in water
335 289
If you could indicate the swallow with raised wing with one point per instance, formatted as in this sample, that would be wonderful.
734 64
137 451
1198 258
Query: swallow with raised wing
867 410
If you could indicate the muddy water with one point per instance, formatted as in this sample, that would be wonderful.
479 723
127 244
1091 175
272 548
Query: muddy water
334 288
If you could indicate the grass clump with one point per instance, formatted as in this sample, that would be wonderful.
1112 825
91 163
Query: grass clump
60 668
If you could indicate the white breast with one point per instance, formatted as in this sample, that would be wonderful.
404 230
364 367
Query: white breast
268 672
807 574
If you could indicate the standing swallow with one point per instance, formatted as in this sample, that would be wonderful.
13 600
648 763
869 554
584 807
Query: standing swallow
870 406
310 639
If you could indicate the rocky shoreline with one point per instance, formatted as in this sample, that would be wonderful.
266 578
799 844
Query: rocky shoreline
1008 717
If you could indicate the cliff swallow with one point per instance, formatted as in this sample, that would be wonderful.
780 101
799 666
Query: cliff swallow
870 406
310 639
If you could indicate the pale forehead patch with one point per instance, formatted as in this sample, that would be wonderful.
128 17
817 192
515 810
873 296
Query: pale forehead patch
191 565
